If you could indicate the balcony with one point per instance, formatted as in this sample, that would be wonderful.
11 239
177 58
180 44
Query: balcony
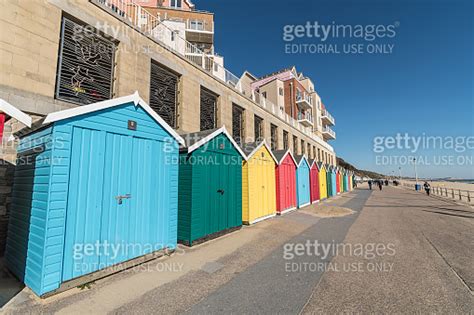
305 118
328 133
304 101
327 119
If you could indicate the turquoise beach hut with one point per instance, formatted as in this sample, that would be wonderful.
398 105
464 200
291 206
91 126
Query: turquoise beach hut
333 180
99 175
345 179
302 181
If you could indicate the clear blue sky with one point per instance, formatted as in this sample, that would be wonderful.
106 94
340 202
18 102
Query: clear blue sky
425 86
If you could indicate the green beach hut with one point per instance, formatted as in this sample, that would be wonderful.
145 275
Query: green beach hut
210 186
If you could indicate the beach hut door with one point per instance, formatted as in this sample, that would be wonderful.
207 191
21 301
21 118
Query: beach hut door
108 212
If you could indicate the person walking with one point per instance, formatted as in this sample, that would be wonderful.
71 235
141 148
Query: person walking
427 188
380 184
370 184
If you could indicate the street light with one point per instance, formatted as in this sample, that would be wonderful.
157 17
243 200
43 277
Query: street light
416 174
400 172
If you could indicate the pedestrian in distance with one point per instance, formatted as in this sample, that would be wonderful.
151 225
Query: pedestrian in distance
370 184
427 188
380 184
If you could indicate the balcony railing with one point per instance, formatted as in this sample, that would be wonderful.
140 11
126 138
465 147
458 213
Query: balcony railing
328 132
305 118
304 99
152 27
326 117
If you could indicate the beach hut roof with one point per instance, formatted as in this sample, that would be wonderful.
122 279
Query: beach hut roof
300 158
320 165
14 112
280 155
311 162
250 148
133 98
195 140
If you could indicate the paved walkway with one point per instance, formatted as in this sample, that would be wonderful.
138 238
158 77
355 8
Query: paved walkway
400 251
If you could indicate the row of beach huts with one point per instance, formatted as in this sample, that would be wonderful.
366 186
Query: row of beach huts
111 184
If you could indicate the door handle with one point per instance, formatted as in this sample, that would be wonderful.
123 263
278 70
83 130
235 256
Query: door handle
121 197
220 191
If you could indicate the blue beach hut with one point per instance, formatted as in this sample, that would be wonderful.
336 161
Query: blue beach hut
333 180
302 181
93 178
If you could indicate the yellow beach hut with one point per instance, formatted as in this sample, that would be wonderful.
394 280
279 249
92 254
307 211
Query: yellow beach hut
323 190
258 183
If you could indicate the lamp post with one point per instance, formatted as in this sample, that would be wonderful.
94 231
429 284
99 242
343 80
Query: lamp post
400 172
416 174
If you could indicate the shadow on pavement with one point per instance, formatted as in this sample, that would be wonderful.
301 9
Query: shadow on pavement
9 285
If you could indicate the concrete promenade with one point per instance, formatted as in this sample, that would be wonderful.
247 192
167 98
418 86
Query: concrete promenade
397 251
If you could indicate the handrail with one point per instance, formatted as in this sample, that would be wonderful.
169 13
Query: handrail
302 96
325 113
447 192
329 130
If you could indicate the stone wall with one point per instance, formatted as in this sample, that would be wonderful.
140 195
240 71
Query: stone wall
29 44
6 182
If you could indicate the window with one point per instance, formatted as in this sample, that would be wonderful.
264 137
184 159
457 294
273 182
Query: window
285 140
274 136
264 94
280 91
173 35
309 151
196 25
319 155
164 93
258 128
302 147
314 152
237 123
86 64
208 109
295 145
175 3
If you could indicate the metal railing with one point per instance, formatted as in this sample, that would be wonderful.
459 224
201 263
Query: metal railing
151 26
446 192
305 115
304 97
329 131
326 114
